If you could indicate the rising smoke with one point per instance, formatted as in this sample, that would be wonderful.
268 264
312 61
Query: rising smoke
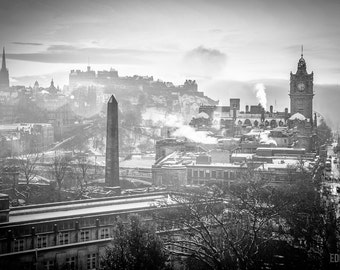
261 94
265 139
161 118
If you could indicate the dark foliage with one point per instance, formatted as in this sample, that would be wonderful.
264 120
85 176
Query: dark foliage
135 246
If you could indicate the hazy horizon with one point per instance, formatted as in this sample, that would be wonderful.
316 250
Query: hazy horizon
172 40
226 46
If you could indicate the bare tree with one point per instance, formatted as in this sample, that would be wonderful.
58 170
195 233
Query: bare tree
135 246
241 227
59 166
9 178
28 169
82 168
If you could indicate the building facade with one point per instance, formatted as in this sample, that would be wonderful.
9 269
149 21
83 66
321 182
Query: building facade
65 235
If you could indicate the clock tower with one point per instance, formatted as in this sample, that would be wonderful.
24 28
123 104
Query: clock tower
301 91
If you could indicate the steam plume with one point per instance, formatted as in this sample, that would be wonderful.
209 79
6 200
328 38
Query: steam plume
261 94
162 119
264 138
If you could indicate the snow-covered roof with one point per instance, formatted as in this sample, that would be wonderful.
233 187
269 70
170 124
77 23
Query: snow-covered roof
297 116
203 115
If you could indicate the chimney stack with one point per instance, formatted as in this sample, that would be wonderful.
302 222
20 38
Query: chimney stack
262 115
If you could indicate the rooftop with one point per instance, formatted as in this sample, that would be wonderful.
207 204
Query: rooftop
83 208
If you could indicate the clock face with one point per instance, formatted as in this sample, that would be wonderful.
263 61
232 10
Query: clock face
301 86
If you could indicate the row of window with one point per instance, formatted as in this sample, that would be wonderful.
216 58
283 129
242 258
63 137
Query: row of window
212 174
63 239
62 225
71 263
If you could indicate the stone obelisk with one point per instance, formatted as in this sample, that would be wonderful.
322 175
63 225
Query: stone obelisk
112 147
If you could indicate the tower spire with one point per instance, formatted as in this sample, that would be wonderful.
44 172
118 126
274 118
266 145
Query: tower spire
3 67
301 50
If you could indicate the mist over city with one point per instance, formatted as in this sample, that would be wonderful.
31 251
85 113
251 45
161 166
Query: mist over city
169 134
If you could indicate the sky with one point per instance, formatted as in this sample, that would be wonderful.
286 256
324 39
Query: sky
171 40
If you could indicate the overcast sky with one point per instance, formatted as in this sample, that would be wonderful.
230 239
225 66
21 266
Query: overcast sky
173 40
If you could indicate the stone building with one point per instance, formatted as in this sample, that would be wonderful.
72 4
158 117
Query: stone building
65 235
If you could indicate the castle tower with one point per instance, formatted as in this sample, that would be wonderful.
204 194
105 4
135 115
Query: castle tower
112 148
4 77
301 90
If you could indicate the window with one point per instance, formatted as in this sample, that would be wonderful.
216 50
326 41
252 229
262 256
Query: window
189 173
219 174
201 174
104 233
226 175
91 261
213 174
207 174
19 245
49 265
195 173
232 175
42 241
84 235
64 238
71 263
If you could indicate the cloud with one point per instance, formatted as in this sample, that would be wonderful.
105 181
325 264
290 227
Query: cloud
72 54
27 43
61 48
204 62
216 30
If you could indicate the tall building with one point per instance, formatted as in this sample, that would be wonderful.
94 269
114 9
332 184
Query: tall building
112 148
301 91
301 106
4 77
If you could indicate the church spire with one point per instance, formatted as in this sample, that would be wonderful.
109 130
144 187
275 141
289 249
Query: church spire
3 67
302 62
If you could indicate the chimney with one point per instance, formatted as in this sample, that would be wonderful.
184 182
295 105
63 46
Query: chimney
286 114
247 108
262 115
112 148
271 109
234 112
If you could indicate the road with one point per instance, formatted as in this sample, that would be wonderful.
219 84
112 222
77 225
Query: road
332 179
334 174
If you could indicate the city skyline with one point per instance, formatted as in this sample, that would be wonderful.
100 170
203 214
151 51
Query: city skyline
171 40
